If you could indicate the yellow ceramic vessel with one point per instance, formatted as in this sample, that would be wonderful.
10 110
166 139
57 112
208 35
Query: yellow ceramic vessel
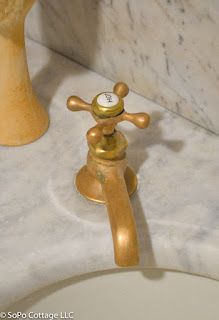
22 118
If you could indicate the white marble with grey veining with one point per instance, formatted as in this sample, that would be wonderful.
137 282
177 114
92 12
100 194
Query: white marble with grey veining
49 232
168 50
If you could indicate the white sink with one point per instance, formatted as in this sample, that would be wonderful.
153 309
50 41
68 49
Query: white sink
132 294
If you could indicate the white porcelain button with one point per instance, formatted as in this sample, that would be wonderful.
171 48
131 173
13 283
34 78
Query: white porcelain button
107 99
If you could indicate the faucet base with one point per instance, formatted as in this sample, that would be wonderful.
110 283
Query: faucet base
91 188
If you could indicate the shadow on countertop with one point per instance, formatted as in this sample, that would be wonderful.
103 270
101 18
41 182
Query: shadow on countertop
141 140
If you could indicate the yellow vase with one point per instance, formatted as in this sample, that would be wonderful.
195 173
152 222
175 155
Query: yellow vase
22 118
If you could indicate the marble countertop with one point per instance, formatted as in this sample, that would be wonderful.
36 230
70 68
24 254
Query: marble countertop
166 50
49 232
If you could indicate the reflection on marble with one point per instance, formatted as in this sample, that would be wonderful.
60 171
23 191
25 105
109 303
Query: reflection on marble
49 232
166 50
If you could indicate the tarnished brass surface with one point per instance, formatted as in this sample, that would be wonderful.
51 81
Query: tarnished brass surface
121 89
109 146
112 182
22 118
91 188
106 178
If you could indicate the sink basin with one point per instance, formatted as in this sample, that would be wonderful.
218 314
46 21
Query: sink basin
130 294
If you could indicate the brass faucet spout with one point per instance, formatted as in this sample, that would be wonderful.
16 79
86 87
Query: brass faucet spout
111 181
121 218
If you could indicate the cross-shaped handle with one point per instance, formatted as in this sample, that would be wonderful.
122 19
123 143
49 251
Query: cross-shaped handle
107 108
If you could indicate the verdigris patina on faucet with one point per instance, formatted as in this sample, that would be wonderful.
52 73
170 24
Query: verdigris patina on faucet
106 178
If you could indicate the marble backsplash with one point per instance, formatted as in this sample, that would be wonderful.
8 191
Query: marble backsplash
168 51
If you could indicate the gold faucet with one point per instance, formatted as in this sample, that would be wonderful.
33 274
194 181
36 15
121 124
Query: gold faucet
106 178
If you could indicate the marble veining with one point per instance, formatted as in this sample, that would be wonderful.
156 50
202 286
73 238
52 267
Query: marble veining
49 232
166 50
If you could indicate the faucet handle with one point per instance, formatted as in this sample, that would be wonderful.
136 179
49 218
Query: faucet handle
121 89
107 108
75 103
104 105
140 120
